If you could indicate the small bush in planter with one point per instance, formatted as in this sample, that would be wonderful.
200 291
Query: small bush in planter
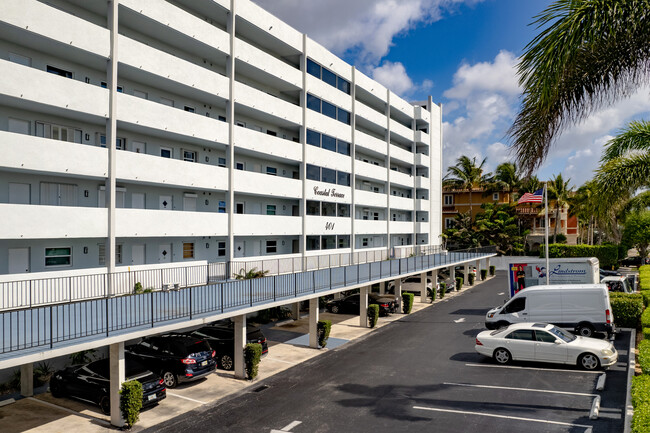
137 288
252 356
324 327
373 315
627 309
43 372
483 274
470 278
492 270
459 283
443 290
131 401
407 302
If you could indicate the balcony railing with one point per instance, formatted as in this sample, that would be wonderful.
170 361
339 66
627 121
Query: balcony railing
50 325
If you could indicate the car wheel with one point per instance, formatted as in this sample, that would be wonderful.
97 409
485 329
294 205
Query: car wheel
227 362
585 330
588 361
105 405
502 356
335 309
170 379
55 389
502 324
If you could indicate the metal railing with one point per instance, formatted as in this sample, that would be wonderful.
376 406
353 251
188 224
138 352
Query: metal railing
49 325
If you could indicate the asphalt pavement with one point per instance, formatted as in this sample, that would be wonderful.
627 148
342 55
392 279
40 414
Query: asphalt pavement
418 374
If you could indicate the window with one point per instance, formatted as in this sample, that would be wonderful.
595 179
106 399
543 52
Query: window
221 249
313 103
189 156
58 132
271 170
58 256
140 94
59 72
120 143
329 110
102 254
328 175
364 242
58 194
329 209
222 118
270 209
449 199
120 89
343 116
222 207
313 243
328 242
344 147
221 162
313 68
21 60
343 85
271 247
272 133
313 172
515 306
521 334
239 166
188 250
344 241
343 178
168 102
165 152
329 77
313 138
544 337
343 210
495 196
313 207
449 223
188 109
329 143
242 124
239 208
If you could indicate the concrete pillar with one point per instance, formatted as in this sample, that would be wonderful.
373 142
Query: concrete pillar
434 283
313 323
295 310
117 375
466 274
363 307
382 288
452 276
487 265
398 290
240 343
478 270
27 380
423 287
338 295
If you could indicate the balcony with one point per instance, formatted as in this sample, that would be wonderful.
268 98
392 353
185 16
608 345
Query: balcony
399 104
421 204
266 105
370 171
422 182
253 183
269 24
273 67
422 115
422 137
401 130
371 199
321 122
369 85
370 115
369 142
422 160
323 90
402 179
245 138
422 227
401 154
329 159
23 221
401 202
370 227
327 225
401 227
144 223
266 225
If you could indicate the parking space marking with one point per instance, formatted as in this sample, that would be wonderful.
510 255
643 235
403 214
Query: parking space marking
186 398
287 429
461 320
553 370
469 385
280 360
73 412
492 415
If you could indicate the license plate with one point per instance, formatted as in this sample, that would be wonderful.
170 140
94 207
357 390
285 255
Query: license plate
204 363
152 397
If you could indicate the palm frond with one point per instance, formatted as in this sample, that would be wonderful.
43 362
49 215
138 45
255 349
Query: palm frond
636 136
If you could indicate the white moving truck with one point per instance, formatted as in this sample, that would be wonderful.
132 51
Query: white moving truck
576 270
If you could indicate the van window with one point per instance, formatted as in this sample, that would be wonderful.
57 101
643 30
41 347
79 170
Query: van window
514 306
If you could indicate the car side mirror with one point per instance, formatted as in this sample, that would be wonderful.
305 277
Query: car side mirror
558 342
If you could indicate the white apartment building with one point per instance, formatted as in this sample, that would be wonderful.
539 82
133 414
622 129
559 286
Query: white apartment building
138 132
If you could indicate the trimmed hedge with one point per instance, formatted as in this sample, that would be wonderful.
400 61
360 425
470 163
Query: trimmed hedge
443 290
645 318
493 269
323 329
252 357
644 356
131 402
470 278
607 255
373 315
483 274
407 302
644 277
627 309
641 419
459 283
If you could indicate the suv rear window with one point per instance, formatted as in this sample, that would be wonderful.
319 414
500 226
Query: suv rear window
200 346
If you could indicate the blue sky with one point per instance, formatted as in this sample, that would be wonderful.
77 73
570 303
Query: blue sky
463 53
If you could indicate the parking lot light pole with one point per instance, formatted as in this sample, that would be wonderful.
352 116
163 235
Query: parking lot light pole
363 307
313 323
240 343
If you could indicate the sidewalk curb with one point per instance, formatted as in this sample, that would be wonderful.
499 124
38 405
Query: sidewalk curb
629 410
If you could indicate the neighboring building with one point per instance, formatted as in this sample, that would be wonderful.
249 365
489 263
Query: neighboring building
532 217
457 201
183 131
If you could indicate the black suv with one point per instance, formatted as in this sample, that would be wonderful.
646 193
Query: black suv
221 336
175 357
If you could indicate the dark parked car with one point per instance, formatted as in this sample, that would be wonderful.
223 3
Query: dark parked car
608 273
221 336
350 304
633 261
176 357
90 382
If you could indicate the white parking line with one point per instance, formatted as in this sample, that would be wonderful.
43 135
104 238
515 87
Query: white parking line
517 418
65 409
186 398
553 370
281 360
469 385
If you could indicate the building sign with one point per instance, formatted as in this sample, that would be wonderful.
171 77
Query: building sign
329 226
328 192
524 275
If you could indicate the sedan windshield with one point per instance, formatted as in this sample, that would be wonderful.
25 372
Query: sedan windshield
562 334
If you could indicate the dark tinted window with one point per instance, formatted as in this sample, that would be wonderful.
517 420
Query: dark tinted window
198 346
545 337
329 175
344 116
329 110
329 143
313 138
344 147
313 103
521 334
329 77
343 178
100 367
313 172
515 305
343 85
313 207
313 68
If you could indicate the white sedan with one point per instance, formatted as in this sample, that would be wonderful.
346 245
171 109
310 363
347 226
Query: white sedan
545 343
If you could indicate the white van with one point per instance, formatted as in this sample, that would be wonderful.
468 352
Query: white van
583 308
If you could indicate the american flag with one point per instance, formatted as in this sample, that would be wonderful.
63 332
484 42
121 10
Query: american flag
535 197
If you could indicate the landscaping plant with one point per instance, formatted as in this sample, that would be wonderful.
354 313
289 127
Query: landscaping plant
131 402
627 309
373 315
443 290
324 327
470 278
407 302
483 274
252 357
492 270
459 283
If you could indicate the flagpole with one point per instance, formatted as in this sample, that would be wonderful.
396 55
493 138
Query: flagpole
548 269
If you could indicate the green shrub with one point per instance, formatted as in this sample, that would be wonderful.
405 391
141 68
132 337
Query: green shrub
640 390
483 274
443 290
646 333
137 288
493 270
324 327
407 302
627 309
42 372
607 255
646 297
645 319
470 278
641 419
459 283
131 402
252 356
644 356
373 315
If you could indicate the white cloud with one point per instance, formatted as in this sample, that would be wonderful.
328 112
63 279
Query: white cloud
394 76
497 77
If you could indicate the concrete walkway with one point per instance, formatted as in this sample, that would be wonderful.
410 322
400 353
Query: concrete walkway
44 413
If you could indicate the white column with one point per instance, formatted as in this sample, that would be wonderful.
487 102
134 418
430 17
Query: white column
313 323
434 283
111 135
382 288
295 311
363 307
487 265
466 276
478 270
452 276
27 380
117 375
240 343
230 118
423 287
398 290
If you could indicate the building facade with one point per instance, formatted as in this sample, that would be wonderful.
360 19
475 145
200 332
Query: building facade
458 201
161 132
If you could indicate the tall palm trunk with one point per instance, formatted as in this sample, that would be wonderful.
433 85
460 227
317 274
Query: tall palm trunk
557 222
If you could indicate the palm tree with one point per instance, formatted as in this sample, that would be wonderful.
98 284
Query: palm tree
559 190
585 205
466 175
506 178
530 184
591 53
250 274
